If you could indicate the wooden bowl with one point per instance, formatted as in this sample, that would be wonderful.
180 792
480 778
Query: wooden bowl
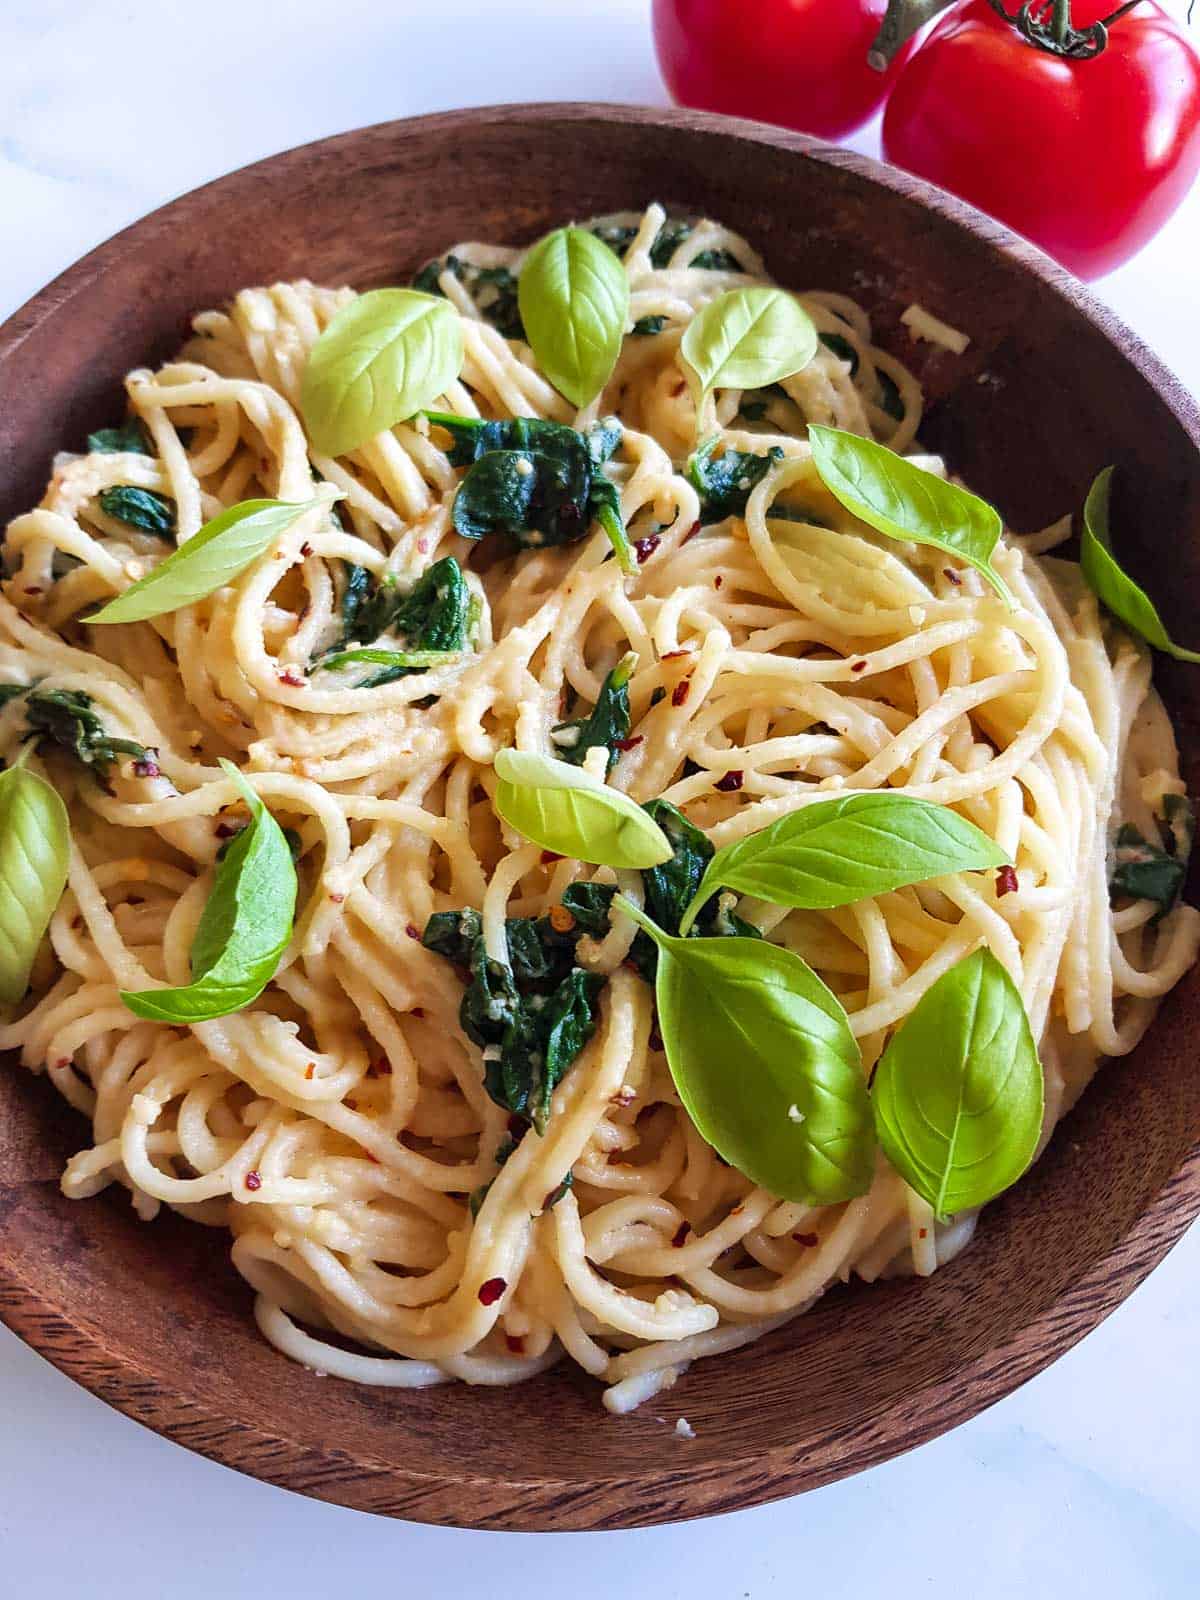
154 1319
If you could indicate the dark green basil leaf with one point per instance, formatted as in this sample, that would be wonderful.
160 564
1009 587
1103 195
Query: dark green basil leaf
564 809
1128 602
243 930
218 553
834 852
574 300
958 1091
140 508
383 357
605 725
765 1063
902 500
35 847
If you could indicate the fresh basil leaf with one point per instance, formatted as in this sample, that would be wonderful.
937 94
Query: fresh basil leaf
66 718
140 508
218 553
382 358
606 723
1127 601
724 485
129 439
564 809
746 339
835 852
765 1063
243 930
902 500
35 838
574 300
958 1091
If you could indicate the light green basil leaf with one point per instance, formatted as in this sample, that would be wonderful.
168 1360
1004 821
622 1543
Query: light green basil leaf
850 848
218 553
574 301
747 339
958 1091
243 930
384 357
895 497
765 1063
1127 601
34 851
564 809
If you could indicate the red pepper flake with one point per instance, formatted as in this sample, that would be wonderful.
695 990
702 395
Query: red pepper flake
33 588
561 920
549 856
351 1103
516 1126
374 1160
1006 881
337 898
858 666
681 1233
718 581
949 573
674 655
515 1343
691 533
225 830
681 691
417 1011
808 1240
413 931
646 547
63 1061
292 679
491 1291
922 1233
731 782
306 549
253 1181
310 1069
631 743
147 768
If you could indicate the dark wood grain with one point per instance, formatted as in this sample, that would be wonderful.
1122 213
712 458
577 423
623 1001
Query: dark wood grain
1053 387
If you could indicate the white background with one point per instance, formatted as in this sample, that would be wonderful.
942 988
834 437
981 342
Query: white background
1085 1482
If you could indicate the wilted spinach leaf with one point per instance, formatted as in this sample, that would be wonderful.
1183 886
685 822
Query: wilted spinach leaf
130 438
841 348
65 717
493 289
1147 871
724 483
433 615
645 327
605 724
140 508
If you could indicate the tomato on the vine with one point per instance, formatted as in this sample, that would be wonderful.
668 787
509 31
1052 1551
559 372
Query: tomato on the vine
799 63
1086 152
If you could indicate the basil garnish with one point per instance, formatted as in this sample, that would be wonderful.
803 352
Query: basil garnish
1127 601
574 301
381 359
243 930
746 339
34 852
218 553
958 1091
765 1063
835 852
902 500
565 809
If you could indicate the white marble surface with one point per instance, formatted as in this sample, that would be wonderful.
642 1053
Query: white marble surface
1087 1481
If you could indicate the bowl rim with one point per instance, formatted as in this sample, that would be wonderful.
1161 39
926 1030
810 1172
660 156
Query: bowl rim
366 1482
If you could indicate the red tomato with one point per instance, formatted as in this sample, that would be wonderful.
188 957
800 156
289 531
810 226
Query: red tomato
1088 158
800 63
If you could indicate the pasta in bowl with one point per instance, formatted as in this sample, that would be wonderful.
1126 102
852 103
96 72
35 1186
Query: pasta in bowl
471 1103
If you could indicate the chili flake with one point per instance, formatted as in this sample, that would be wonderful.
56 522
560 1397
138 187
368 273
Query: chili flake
413 931
561 920
681 691
806 1239
631 743
952 576
731 782
1006 881
515 1343
253 1181
681 1234
491 1291
646 547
